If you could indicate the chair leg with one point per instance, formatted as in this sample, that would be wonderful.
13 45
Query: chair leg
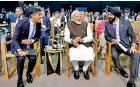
92 69
13 62
108 61
6 68
38 65
67 68
95 68
61 62
108 70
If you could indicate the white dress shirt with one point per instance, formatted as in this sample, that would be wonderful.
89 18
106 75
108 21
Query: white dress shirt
117 30
126 17
32 30
21 17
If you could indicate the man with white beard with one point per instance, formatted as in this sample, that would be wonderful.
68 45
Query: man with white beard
79 36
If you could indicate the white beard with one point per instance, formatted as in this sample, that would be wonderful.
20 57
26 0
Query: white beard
78 22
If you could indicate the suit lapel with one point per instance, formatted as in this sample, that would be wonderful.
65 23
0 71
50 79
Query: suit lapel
120 27
112 31
28 28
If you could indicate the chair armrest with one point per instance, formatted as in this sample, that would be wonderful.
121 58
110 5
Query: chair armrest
109 44
36 45
7 42
4 50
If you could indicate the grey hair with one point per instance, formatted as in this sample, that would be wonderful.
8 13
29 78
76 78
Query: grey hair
73 13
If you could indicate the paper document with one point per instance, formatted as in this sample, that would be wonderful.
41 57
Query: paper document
121 46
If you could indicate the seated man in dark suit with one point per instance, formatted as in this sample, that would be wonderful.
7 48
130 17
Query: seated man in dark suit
119 31
27 32
45 33
20 16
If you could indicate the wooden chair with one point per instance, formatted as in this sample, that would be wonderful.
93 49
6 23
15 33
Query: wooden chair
135 26
52 34
12 57
94 69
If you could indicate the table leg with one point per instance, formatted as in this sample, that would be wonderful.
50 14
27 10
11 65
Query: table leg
49 66
61 62
58 69
45 63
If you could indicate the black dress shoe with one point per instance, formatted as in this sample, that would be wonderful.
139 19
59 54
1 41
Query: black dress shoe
86 75
20 83
123 73
29 78
131 84
76 74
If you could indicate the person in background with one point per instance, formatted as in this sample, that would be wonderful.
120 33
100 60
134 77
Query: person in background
36 4
137 17
57 21
97 16
126 15
100 31
63 18
45 33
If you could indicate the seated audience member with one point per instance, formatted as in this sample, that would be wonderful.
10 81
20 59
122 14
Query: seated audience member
120 33
79 36
100 32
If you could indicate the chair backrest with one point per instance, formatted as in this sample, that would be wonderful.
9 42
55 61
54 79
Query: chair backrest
136 27
132 22
12 28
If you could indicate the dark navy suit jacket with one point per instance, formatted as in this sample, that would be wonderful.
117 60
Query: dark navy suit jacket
125 31
46 22
13 20
22 32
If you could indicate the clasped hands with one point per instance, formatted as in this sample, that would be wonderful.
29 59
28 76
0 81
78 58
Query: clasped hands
26 42
76 40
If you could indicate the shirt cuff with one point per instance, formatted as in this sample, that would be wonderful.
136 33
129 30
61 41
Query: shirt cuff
32 41
18 50
112 41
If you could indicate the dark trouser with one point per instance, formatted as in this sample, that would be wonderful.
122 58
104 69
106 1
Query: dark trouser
55 30
43 42
20 65
135 59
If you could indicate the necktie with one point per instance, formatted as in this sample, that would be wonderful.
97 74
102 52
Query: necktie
17 20
115 31
31 35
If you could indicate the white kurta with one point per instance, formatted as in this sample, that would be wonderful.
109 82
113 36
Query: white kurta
81 53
